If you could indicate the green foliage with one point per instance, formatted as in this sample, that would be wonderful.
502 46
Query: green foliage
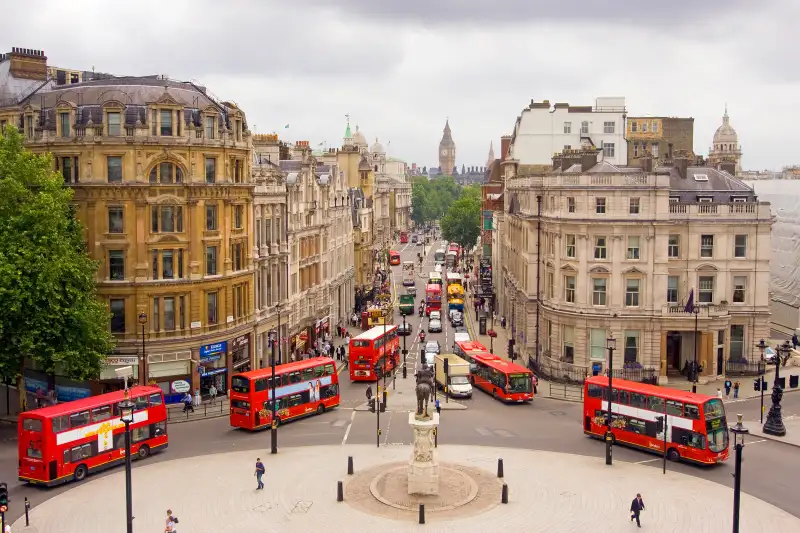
461 224
430 200
49 312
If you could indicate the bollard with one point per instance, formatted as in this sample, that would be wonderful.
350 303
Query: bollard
350 465
339 491
385 398
27 508
422 513
504 495
499 468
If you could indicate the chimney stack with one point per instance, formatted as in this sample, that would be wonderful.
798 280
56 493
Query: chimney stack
646 162
681 158
505 143
556 161
28 64
588 158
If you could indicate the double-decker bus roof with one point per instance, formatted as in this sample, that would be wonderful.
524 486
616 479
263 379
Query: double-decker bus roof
394 252
288 367
91 402
469 346
375 333
653 390
497 363
433 287
434 275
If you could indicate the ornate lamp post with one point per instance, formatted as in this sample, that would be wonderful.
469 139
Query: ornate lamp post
739 431
144 370
696 311
274 429
774 424
611 343
126 415
405 351
762 367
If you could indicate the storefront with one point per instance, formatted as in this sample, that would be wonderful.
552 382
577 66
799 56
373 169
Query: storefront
322 327
109 380
165 369
213 367
240 354
299 343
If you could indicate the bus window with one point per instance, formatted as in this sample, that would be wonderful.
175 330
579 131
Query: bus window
654 403
140 403
140 434
294 377
674 408
319 371
638 400
240 404
155 399
308 374
32 424
79 419
60 423
692 412
33 452
329 370
713 409
595 391
260 385
240 384
624 397
101 413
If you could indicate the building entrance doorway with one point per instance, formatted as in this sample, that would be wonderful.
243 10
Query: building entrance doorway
674 345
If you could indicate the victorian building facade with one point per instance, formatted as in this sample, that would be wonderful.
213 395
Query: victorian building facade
593 251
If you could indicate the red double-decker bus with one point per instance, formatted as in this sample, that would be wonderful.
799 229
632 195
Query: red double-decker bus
433 298
504 380
464 348
301 388
373 353
697 429
403 237
71 440
394 257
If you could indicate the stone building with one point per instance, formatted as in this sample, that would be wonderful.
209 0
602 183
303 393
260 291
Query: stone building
658 137
161 175
447 152
621 249
725 151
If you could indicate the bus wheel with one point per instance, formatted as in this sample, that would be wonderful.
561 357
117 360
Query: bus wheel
144 451
494 393
320 409
81 472
673 455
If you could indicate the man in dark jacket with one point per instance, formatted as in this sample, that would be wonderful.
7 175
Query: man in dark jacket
637 506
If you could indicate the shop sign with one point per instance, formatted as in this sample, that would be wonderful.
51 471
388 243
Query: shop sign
241 340
122 361
212 349
180 386
213 372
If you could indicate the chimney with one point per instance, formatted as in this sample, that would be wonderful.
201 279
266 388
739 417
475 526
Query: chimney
505 143
681 158
569 158
556 161
28 64
646 162
588 158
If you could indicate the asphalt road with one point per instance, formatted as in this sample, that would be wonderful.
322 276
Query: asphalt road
770 469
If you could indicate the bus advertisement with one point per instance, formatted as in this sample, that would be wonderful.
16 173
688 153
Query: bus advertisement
433 298
301 389
71 440
696 429
373 353
408 273
504 380
438 256
394 257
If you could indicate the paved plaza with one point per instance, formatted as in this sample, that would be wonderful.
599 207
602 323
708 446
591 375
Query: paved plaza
549 492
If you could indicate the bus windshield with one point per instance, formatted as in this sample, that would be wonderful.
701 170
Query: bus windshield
519 382
713 409
718 439
240 384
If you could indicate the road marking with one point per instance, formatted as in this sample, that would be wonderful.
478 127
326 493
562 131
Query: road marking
339 423
648 461
347 431
757 441
483 431
503 433
388 425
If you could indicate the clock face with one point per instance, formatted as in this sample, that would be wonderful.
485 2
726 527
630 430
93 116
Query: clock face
444 152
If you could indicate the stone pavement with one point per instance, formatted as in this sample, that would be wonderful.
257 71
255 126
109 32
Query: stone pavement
792 424
548 492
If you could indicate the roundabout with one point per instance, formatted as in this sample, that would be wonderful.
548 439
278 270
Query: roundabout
548 492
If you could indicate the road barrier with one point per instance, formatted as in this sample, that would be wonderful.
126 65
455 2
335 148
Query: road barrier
570 393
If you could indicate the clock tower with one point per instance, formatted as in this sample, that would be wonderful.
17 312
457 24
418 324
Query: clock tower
447 151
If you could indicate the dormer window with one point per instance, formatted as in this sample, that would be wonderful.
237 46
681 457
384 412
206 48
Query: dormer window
705 199
739 199
674 199
211 126
114 123
166 123
64 124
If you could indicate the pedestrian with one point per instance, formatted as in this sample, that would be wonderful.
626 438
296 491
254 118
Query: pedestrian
728 386
369 392
637 506
197 397
719 393
736 390
187 403
212 393
170 524
259 472
438 406
795 341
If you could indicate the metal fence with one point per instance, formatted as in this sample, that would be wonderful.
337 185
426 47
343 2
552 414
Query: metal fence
642 375
744 368
558 371
563 391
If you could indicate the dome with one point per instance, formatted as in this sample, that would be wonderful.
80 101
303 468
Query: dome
726 133
377 148
358 138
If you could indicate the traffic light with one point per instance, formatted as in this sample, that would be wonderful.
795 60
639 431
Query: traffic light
511 349
3 494
757 384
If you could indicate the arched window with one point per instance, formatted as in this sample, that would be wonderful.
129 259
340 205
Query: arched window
166 172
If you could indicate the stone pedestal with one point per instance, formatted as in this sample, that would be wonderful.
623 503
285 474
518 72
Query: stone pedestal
423 467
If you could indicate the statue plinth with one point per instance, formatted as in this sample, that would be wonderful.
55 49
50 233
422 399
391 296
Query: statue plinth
423 467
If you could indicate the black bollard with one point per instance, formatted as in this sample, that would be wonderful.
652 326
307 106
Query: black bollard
499 468
504 496
339 491
27 508
350 465
422 513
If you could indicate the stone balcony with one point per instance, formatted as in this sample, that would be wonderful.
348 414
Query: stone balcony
737 210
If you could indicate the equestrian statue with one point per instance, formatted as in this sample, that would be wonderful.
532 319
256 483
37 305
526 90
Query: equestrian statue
424 391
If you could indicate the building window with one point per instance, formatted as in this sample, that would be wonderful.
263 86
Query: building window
608 149
636 149
633 248
672 289
238 171
568 341
609 127
211 169
631 346
169 313
634 126
706 292
238 216
644 126
166 172
114 168
239 300
116 219
116 265
674 247
737 342
167 219
211 308
632 286
570 205
211 217
569 289
237 253
706 246
569 249
551 244
66 130
739 288
600 206
69 168
568 127
584 127
633 206
114 123
597 344
599 291
654 149
550 285
655 127
211 260
166 123
28 126
117 308
211 127
600 250
171 262
740 246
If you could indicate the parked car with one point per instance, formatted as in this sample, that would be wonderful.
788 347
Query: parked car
462 329
435 326
435 315
404 329
433 346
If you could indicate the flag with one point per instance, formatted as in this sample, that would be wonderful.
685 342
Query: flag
286 127
689 303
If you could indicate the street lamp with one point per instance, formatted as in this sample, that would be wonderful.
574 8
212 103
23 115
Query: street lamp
144 370
126 415
405 352
774 424
762 367
696 311
274 429
739 431
611 343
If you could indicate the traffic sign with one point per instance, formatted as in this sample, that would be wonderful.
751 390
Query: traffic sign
3 508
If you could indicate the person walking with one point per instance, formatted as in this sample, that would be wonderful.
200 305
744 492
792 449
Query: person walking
728 386
735 390
719 393
187 403
637 506
170 525
212 394
795 341
260 470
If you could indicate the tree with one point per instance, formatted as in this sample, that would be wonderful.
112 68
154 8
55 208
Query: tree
430 200
49 312
461 224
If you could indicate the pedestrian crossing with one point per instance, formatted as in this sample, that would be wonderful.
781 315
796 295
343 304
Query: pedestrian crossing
495 432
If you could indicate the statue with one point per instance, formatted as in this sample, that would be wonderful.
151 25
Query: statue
424 391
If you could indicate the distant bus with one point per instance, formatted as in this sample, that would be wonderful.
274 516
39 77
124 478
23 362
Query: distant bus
504 380
433 298
451 259
403 237
454 278
394 257
438 256
301 388
408 273
435 278
71 440
374 353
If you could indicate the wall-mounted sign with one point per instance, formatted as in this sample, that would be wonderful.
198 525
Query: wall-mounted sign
180 386
196 324
122 361
211 349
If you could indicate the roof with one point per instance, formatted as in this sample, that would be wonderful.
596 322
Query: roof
714 183
375 333
494 361
288 367
471 346
91 402
655 390
433 287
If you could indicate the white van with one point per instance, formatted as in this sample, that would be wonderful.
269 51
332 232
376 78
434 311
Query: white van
461 337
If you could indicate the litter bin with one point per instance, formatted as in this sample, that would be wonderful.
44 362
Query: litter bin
482 325
793 381
782 383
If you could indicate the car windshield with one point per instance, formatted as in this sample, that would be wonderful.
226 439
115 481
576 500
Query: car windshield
459 380
432 347
519 382
718 439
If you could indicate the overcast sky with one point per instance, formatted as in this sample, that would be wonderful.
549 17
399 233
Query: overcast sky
399 68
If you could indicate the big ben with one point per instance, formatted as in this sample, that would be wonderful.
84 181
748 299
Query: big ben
447 152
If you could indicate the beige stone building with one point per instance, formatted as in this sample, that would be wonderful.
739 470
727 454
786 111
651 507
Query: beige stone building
621 249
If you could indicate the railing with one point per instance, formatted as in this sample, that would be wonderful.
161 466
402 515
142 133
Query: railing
558 371
570 393
758 210
743 367
642 375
